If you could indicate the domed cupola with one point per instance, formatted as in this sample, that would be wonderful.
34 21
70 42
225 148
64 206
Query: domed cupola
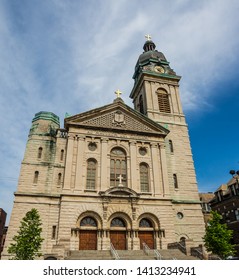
152 61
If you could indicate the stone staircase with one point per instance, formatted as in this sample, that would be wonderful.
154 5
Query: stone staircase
128 255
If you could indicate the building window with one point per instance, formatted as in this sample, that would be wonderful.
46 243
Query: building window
163 101
180 215
171 146
118 167
91 174
237 214
36 175
53 232
141 104
142 151
39 155
145 223
175 181
59 179
117 222
92 146
88 222
233 190
62 155
144 177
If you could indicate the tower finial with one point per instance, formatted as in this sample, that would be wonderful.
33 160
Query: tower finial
148 37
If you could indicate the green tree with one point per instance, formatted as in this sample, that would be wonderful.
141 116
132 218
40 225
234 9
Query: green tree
28 240
218 237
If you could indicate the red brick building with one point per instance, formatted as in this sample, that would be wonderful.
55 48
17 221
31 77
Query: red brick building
205 199
226 203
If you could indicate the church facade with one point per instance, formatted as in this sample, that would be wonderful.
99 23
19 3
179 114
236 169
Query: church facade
114 175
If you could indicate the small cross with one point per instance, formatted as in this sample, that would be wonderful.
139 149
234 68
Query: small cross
148 37
118 93
120 180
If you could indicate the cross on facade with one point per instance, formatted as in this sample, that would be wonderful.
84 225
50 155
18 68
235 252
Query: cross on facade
118 93
120 180
148 37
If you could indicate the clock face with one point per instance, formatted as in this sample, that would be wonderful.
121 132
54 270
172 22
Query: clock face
159 69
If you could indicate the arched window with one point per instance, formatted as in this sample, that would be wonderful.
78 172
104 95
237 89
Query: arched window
163 101
36 175
175 181
39 155
59 178
171 146
144 177
118 167
141 104
88 222
91 174
145 223
62 155
117 222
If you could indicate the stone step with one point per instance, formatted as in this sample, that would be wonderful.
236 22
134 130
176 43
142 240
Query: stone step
169 254
135 255
89 255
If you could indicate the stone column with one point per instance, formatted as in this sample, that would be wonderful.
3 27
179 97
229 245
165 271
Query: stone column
133 166
69 158
104 165
157 186
136 241
164 170
79 181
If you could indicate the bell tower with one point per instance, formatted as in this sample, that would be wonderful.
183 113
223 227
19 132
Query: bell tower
156 94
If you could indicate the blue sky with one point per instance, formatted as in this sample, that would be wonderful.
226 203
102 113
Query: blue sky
70 56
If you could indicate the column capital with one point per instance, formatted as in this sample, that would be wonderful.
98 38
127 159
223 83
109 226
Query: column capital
81 137
71 136
154 145
104 139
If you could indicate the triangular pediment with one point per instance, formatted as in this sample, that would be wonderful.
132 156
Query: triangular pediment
116 116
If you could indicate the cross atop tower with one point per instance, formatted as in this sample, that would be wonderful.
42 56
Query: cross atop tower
148 37
118 93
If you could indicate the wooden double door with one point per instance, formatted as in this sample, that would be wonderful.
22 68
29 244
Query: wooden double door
118 239
88 240
146 237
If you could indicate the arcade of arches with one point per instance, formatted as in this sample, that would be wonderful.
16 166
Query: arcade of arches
90 234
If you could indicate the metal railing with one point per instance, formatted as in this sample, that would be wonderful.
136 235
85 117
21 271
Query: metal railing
147 250
113 252
197 253
157 254
177 245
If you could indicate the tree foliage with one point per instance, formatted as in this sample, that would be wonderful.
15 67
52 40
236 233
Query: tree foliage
218 237
28 240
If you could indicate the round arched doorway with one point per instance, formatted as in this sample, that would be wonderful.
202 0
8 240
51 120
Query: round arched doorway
88 234
146 233
118 234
